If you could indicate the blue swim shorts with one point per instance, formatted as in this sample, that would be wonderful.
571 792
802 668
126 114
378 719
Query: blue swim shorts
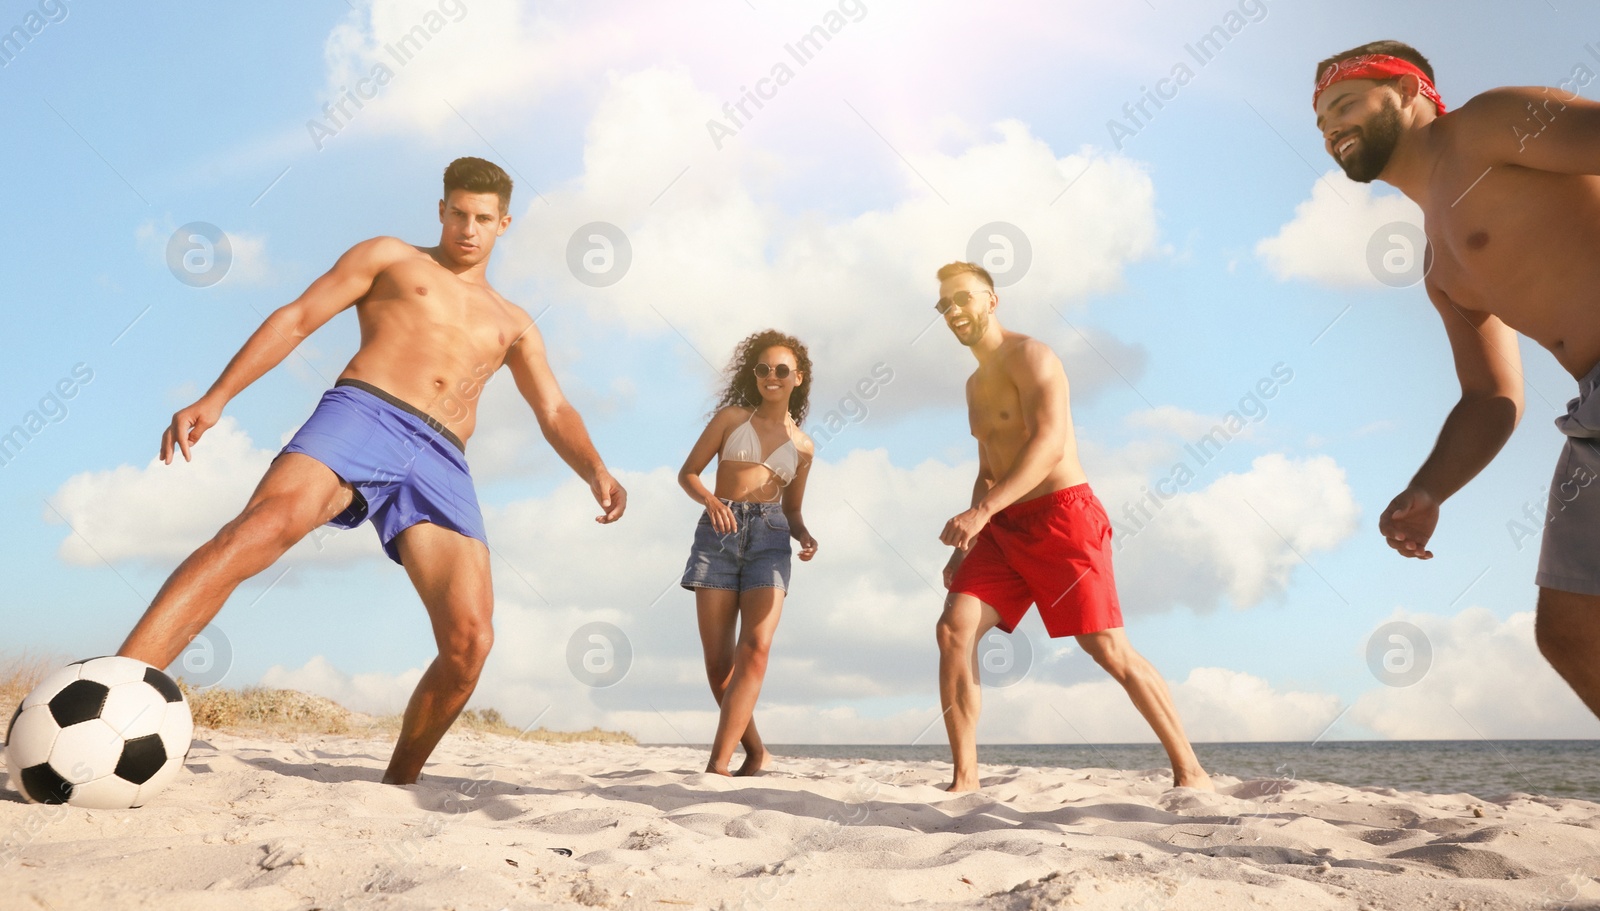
754 555
405 466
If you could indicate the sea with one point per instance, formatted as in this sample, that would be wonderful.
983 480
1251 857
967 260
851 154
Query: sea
1485 769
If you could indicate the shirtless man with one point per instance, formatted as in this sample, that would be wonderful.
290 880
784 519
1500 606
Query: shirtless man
1035 532
388 442
1511 209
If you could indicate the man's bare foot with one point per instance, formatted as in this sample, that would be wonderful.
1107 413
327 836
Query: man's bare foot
711 767
754 763
1197 779
964 781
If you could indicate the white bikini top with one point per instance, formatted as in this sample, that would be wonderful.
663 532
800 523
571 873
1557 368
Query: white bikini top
743 445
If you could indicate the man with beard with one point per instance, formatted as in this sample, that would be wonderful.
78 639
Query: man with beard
1510 197
388 443
1035 532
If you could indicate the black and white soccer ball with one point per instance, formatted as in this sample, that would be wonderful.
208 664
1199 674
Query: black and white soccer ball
106 732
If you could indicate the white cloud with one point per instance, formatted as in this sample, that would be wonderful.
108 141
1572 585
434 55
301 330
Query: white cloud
1221 705
1177 421
1327 239
1243 535
711 260
711 254
401 64
535 52
545 60
1487 679
374 693
160 513
248 261
1186 538
250 264
1216 705
506 439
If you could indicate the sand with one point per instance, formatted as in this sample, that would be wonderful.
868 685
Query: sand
264 823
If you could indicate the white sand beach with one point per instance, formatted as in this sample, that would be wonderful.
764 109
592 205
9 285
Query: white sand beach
303 823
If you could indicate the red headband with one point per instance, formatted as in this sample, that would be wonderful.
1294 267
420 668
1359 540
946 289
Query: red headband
1376 66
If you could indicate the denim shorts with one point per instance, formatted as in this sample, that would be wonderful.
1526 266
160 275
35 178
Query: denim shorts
754 555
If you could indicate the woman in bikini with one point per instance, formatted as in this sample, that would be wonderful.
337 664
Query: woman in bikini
739 564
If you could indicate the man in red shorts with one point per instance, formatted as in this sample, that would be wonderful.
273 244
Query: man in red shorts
1035 532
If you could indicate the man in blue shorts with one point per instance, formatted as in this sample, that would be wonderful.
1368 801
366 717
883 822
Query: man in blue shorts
388 443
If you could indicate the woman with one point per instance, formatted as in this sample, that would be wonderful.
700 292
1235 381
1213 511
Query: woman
739 564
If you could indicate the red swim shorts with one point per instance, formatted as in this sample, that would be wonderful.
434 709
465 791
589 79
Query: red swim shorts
1053 550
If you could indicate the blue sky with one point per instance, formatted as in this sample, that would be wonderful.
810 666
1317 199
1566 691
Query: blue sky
826 214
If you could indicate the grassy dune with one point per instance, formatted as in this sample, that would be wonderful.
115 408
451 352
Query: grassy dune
19 674
262 710
259 709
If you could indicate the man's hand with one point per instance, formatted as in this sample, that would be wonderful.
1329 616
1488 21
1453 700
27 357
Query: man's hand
610 495
959 531
1408 522
187 427
808 545
951 567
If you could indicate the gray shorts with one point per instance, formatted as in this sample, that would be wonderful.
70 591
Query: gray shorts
1569 555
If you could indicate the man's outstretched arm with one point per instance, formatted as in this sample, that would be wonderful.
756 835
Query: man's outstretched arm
1489 368
337 289
560 423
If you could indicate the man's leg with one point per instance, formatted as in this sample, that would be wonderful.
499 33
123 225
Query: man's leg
1111 650
964 622
759 610
296 495
718 612
1567 629
451 574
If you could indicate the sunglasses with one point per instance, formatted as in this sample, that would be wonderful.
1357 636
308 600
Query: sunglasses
763 371
959 299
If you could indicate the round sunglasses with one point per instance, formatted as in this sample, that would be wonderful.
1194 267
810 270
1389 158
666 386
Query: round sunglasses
959 299
763 371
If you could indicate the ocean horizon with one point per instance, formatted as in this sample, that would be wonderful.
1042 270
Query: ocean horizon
1485 769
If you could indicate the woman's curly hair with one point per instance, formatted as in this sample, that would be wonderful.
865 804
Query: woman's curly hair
741 389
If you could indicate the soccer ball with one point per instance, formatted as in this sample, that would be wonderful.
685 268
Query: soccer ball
107 733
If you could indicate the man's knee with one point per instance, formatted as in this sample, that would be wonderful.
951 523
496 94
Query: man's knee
951 634
468 646
1095 646
1547 634
479 645
1108 651
1566 626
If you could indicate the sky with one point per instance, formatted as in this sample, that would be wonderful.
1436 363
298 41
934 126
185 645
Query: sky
178 172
